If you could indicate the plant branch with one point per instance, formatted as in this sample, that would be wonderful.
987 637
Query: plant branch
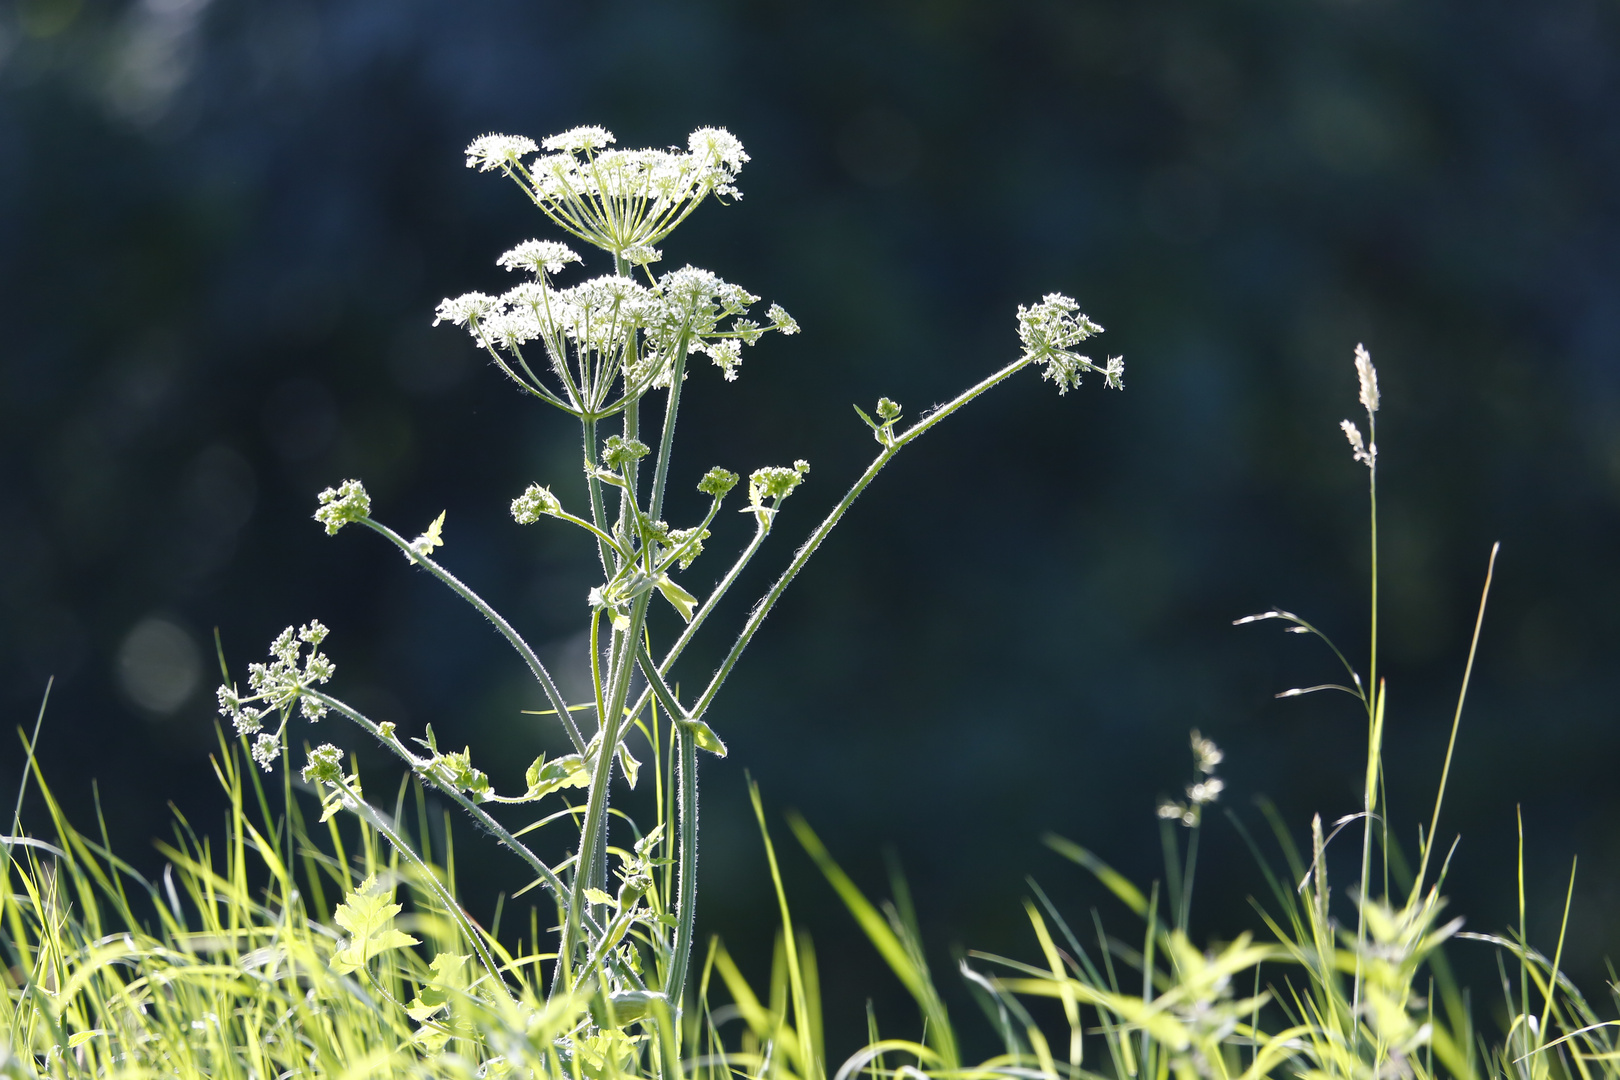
535 666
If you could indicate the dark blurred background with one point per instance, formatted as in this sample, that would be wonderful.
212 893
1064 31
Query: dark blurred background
224 226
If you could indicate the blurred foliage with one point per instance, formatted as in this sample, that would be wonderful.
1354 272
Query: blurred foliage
224 225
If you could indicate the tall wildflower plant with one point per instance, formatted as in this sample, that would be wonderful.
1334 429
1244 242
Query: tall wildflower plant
614 352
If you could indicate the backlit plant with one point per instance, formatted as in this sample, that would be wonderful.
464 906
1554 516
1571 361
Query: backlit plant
605 350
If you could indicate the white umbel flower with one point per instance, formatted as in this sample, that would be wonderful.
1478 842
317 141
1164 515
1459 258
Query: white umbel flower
617 200
498 152
539 257
1048 331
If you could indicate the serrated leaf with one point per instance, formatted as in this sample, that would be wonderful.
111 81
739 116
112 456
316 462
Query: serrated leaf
705 738
433 538
367 914
597 896
435 994
543 777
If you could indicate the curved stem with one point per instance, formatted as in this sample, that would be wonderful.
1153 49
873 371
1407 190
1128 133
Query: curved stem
535 666
686 781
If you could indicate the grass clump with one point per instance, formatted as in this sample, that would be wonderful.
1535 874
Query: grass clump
340 947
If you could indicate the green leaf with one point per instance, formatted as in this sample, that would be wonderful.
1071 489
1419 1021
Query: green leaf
679 599
433 538
597 896
567 771
1112 879
435 994
631 767
705 738
543 777
367 914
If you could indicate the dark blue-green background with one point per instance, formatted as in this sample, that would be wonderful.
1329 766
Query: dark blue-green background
224 226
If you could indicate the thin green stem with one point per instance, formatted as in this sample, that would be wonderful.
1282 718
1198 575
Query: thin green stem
419 766
535 666
1456 720
667 436
1184 916
802 556
594 486
686 913
593 834
703 612
1375 714
372 817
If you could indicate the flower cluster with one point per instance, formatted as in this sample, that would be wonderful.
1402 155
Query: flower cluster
774 482
325 765
1364 451
534 503
717 482
1049 330
276 686
539 257
340 505
618 200
612 326
1205 788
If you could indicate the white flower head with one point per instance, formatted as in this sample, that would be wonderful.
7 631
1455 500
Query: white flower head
1206 755
498 151
620 200
1365 454
537 257
1049 330
586 138
1367 375
277 686
781 321
727 356
641 255
266 748
464 310
719 156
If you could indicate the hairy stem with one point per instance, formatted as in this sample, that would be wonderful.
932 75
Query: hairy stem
686 914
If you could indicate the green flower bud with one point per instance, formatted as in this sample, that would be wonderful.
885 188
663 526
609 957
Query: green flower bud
325 765
717 482
618 452
343 504
529 506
